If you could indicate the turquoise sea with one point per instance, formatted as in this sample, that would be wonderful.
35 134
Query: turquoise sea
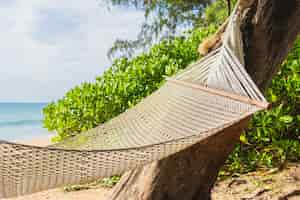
21 121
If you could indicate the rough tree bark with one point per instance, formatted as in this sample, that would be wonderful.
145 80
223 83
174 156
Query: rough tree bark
269 29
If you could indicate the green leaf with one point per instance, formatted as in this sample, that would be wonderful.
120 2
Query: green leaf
244 139
286 119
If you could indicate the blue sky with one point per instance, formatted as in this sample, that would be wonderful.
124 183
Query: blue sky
49 46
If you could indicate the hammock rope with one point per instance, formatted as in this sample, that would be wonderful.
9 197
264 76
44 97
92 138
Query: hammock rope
208 96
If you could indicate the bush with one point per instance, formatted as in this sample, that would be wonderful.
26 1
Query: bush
273 136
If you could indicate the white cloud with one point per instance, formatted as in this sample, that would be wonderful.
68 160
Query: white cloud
48 47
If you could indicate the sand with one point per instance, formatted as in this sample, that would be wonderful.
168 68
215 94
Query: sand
59 194
42 141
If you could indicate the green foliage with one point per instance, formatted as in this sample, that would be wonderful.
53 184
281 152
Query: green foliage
123 85
216 13
162 18
106 182
110 182
273 136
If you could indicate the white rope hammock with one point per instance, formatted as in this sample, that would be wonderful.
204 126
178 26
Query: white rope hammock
204 99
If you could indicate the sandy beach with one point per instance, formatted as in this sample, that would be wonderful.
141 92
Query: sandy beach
59 194
41 141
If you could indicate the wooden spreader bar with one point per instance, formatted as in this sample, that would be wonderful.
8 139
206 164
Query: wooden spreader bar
244 99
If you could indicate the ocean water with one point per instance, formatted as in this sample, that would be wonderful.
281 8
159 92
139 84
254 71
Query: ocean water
21 121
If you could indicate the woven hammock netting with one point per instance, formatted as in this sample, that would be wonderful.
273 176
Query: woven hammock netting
199 102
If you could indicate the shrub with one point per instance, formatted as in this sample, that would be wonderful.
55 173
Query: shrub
273 136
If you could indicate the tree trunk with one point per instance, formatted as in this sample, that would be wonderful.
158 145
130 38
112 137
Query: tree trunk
269 29
186 175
